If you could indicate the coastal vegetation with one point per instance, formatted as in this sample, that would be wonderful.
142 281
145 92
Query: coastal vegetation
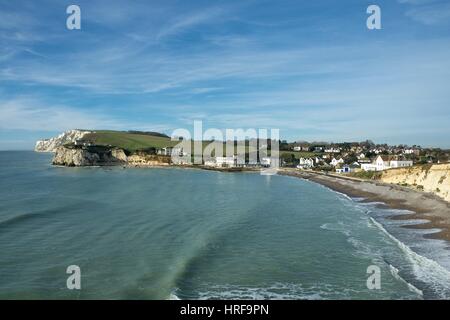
369 175
130 141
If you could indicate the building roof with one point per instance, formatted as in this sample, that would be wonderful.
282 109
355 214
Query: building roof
388 157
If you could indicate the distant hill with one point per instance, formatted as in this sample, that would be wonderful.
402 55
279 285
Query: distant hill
129 140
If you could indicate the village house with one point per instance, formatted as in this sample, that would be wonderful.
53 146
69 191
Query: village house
343 169
384 162
226 161
301 148
401 163
305 163
266 162
169 151
377 151
334 162
412 151
333 150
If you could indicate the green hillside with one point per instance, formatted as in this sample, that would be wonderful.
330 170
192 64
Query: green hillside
130 141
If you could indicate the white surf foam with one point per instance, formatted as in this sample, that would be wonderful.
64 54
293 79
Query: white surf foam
424 269
412 288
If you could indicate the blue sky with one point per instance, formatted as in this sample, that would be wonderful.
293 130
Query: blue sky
310 68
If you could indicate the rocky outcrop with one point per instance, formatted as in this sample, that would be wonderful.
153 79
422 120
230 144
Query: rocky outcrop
429 178
79 156
89 156
143 160
50 145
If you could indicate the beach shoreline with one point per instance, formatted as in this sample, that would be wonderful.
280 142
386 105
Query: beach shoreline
424 206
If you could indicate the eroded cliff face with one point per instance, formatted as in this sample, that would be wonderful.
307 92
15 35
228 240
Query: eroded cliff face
429 178
78 157
73 156
142 160
50 145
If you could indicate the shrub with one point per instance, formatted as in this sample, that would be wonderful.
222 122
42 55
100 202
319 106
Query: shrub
371 175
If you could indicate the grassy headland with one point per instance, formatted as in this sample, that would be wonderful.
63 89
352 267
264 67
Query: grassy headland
130 141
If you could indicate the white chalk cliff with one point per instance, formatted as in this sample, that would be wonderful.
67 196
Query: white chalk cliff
77 157
50 145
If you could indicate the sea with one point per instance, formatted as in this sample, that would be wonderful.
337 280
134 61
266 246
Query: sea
173 233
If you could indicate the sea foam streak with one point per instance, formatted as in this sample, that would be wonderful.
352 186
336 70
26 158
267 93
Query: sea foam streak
395 274
424 269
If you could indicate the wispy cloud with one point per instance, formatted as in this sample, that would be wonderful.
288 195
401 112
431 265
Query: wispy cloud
292 65
428 12
186 21
433 14
29 114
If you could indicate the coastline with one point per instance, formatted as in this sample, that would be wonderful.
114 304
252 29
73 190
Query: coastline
424 206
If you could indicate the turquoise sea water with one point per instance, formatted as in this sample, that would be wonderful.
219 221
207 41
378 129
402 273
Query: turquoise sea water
193 234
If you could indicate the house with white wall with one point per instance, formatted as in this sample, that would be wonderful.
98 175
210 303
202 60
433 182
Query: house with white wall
384 162
332 150
169 151
401 163
265 162
306 163
334 162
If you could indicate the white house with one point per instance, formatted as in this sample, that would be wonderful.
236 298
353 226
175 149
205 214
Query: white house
334 162
401 163
333 150
377 151
384 162
344 169
305 163
365 160
411 151
265 162
169 151
226 161
301 148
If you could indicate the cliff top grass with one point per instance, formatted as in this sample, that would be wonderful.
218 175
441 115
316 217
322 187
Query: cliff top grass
130 141
133 141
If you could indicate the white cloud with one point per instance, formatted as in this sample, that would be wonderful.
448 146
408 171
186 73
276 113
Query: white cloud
184 22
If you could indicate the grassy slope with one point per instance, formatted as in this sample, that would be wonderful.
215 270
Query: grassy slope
128 141
134 141
301 154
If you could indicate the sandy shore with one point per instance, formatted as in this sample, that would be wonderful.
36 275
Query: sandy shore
424 205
